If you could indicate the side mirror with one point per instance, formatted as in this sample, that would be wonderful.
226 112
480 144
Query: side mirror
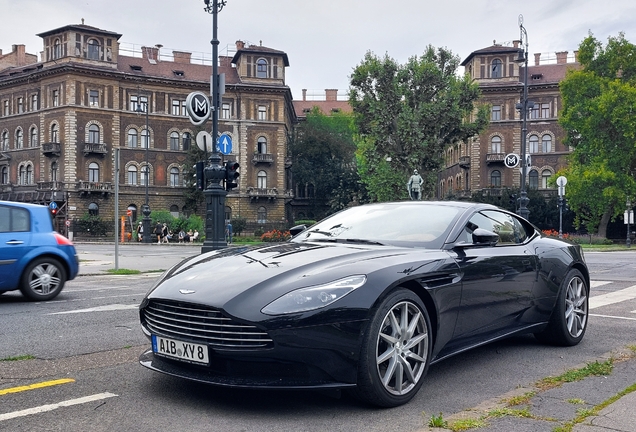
297 230
483 237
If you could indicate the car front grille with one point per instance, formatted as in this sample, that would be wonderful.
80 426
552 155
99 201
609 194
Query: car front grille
201 324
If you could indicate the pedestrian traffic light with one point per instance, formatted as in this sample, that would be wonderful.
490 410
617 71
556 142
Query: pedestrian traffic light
231 175
200 175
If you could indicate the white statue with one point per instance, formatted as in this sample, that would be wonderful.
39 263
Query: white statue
414 186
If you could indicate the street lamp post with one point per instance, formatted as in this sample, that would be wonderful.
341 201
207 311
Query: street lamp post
145 209
523 107
629 219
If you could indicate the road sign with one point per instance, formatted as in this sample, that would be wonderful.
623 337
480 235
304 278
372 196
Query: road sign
204 139
511 160
198 108
68 222
225 144
129 212
52 205
561 181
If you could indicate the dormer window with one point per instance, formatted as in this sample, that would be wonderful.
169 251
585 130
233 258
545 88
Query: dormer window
57 49
178 73
261 68
537 76
93 50
136 67
496 69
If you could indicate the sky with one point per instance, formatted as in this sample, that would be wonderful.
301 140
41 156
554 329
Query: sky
325 40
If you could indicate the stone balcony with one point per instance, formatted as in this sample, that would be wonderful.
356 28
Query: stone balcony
52 149
94 148
267 158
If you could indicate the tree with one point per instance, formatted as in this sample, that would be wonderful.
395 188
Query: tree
194 198
323 156
599 108
407 115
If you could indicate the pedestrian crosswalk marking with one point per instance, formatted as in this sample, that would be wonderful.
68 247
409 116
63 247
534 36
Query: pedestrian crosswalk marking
51 407
612 297
596 284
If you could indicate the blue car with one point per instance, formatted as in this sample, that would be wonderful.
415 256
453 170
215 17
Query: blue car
33 257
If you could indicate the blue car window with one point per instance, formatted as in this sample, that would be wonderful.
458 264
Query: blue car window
20 220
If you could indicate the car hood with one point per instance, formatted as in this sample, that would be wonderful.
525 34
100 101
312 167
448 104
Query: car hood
265 273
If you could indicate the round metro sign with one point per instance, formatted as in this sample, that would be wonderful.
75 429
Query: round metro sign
198 108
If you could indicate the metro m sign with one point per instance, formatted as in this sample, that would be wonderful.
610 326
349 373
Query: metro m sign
198 108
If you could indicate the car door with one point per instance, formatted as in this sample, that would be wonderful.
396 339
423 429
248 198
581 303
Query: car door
15 239
497 282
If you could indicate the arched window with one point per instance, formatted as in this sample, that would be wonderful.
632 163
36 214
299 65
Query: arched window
29 174
5 140
174 177
54 171
310 190
132 138
145 175
33 137
545 176
145 137
133 209
174 141
132 175
261 216
546 143
19 138
496 70
495 144
93 134
93 50
187 138
495 178
55 133
174 210
261 146
57 49
93 172
22 175
300 191
93 209
261 180
533 144
533 179
228 214
261 68
5 175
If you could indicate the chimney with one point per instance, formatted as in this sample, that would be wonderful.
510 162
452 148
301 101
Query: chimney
576 56
150 53
562 57
181 57
537 59
332 94
515 43
20 54
304 94
240 45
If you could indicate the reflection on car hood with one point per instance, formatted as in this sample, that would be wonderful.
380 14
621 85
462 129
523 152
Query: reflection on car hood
269 271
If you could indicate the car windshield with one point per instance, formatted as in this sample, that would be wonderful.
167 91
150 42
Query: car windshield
405 224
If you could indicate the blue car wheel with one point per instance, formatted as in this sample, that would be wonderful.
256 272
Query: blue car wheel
43 279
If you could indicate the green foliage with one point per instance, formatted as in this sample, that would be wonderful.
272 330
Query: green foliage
598 105
190 223
407 115
437 421
306 222
92 225
238 225
194 198
323 156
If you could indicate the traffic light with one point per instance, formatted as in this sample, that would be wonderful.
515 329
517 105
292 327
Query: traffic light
231 175
200 175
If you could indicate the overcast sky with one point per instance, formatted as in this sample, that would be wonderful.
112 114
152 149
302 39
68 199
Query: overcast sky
326 39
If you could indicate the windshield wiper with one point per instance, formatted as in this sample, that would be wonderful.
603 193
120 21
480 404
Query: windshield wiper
361 241
316 231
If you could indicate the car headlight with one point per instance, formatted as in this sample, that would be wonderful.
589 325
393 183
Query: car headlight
315 297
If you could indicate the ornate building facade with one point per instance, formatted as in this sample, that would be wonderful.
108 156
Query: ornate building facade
478 166
62 118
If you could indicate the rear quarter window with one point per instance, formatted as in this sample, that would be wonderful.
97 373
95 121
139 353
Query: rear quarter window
14 219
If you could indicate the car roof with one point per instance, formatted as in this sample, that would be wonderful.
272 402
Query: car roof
23 205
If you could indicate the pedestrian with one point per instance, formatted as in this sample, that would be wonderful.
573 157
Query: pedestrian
188 236
195 236
228 232
181 236
158 230
164 233
140 232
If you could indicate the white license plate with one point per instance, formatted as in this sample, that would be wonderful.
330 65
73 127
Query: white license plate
176 349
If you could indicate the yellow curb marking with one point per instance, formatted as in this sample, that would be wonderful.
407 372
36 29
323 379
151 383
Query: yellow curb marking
36 386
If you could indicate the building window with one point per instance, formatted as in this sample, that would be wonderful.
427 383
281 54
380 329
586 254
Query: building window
5 140
93 98
495 178
33 137
6 108
533 113
93 50
545 110
174 177
19 138
545 176
55 133
261 180
29 174
93 209
93 134
310 190
226 111
145 135
144 175
133 209
54 171
262 112
533 144
261 216
174 210
261 68
178 107
187 138
5 175
533 179
57 49
34 102
22 175
93 172
55 96
261 146
495 114
138 103
546 143
132 138
20 105
174 141
495 144
496 69
132 175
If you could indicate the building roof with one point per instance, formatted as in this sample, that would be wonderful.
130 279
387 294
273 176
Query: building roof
259 49
494 49
80 27
174 70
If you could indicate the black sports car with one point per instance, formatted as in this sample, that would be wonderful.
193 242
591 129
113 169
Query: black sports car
366 299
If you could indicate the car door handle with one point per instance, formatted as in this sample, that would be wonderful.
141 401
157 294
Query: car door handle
15 242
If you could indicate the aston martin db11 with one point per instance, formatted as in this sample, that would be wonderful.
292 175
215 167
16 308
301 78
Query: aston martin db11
365 300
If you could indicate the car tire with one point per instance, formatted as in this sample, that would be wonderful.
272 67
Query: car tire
396 351
43 279
570 315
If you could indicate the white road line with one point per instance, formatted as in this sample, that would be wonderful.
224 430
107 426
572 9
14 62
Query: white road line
106 308
612 297
611 316
51 407
596 284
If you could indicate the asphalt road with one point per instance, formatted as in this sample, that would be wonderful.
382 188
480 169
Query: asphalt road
89 338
